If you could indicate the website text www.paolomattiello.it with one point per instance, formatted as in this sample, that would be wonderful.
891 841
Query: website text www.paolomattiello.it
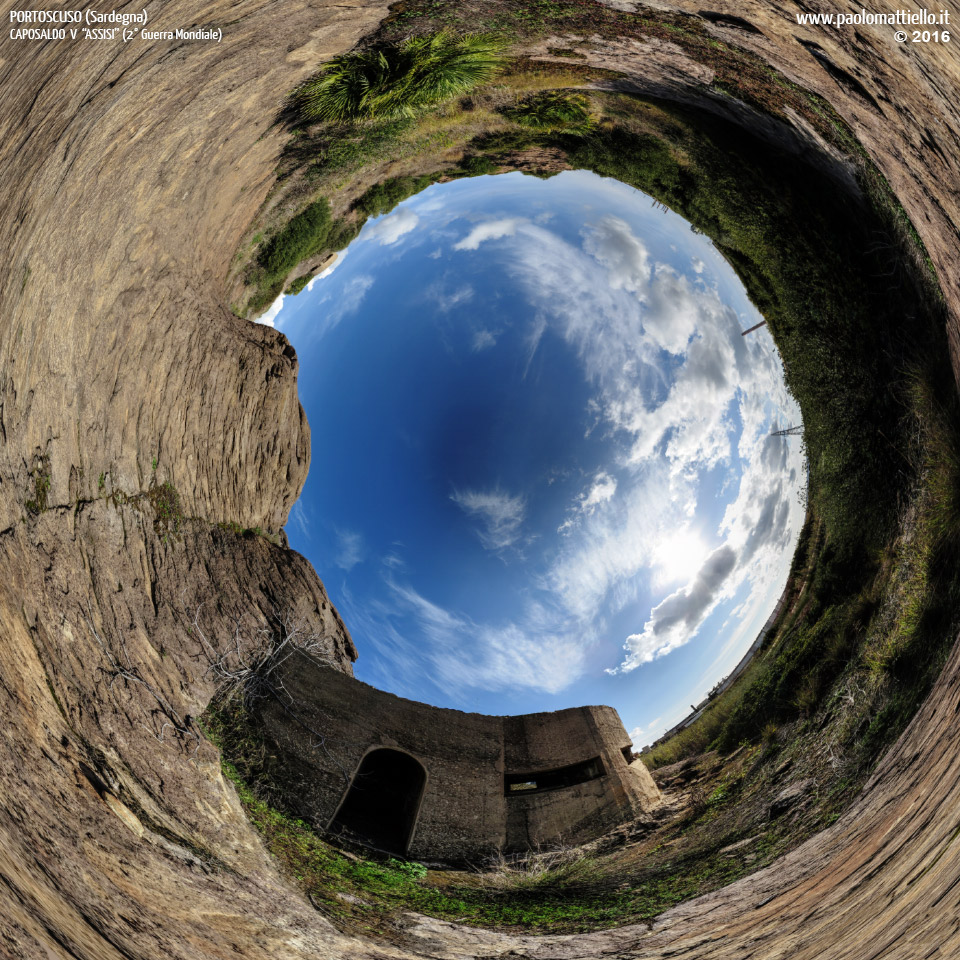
894 18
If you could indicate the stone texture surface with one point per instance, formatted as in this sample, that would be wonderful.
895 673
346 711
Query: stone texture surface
129 174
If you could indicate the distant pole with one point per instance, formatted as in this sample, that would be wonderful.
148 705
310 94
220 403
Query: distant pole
788 432
756 326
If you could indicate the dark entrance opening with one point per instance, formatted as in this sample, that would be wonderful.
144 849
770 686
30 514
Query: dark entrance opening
380 807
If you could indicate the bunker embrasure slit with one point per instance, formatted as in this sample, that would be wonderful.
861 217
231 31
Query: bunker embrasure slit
567 776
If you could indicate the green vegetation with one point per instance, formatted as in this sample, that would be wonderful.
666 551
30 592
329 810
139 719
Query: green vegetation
382 197
552 110
397 80
860 654
41 487
303 236
167 512
299 284
477 165
241 531
307 234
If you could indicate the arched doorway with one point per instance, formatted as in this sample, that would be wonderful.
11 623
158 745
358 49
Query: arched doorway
381 804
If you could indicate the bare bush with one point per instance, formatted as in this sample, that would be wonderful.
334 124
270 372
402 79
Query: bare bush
558 863
247 662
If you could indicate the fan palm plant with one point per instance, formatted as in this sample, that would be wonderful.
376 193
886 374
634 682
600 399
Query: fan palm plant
552 110
400 79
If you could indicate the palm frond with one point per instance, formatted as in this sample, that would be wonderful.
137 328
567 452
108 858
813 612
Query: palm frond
400 79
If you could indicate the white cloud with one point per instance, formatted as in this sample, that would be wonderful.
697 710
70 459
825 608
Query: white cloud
430 201
445 299
501 514
673 378
484 339
349 549
604 487
389 229
613 245
299 515
596 571
639 734
521 655
674 621
491 230
268 319
600 491
698 265
341 305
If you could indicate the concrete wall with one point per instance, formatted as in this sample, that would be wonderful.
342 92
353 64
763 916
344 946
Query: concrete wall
331 721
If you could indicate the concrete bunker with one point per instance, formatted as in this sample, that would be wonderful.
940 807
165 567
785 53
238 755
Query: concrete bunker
442 784
381 804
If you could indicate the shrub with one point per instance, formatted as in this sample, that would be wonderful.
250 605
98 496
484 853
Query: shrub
478 165
343 233
382 197
399 79
299 284
304 235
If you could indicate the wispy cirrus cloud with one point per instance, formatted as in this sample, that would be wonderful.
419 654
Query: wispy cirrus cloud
447 299
676 381
601 490
465 654
501 515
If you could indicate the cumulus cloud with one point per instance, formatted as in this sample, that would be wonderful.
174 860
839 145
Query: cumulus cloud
672 621
491 230
614 246
500 513
269 318
389 229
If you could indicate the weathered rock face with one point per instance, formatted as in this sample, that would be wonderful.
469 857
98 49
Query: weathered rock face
129 174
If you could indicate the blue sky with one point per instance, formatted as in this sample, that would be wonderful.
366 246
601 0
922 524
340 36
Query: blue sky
541 468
